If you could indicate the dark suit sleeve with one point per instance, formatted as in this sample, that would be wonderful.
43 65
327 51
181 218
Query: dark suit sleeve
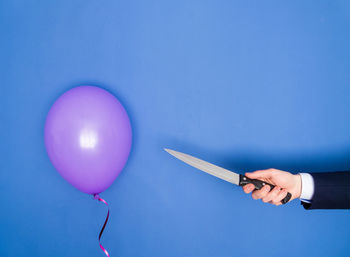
331 191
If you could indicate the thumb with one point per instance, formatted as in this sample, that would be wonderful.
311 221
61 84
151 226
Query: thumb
259 174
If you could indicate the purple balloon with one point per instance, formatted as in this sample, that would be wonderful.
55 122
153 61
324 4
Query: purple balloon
88 138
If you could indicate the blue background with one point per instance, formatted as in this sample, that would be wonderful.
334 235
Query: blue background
244 84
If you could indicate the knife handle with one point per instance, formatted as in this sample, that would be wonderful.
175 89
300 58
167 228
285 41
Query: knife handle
243 180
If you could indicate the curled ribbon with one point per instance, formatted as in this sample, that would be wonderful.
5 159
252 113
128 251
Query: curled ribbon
97 197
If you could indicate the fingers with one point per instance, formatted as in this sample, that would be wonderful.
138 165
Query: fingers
280 196
260 174
271 195
248 188
275 196
258 194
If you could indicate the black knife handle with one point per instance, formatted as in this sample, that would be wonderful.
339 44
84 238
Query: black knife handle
243 180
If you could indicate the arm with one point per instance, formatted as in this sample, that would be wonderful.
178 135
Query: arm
329 190
332 191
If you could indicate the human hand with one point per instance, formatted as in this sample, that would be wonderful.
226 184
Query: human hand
285 182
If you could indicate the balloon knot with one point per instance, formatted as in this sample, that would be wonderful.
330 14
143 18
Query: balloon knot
96 196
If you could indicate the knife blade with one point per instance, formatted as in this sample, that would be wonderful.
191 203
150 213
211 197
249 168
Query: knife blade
224 174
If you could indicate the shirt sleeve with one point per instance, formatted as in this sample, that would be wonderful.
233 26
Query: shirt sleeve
307 187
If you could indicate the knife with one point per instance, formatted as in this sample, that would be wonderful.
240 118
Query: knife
222 173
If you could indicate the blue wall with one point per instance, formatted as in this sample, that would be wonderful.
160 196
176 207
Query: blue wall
244 84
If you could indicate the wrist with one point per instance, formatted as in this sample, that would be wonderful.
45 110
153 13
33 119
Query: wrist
297 186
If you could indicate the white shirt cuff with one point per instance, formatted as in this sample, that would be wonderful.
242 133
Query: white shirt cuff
307 187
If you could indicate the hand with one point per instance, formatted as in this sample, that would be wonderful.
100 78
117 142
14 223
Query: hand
284 181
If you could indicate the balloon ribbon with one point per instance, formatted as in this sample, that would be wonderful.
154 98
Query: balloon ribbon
97 197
